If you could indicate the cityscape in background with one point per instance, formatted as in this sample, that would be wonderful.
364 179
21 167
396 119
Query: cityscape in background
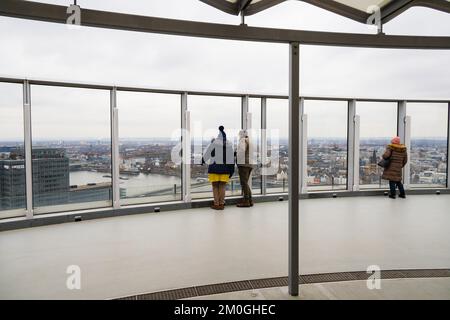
67 172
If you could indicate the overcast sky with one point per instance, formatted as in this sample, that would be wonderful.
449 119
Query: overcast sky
52 51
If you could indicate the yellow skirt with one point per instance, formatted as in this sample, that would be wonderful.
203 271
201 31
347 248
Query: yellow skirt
214 177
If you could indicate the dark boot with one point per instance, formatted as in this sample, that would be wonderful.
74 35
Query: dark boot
391 196
244 204
251 203
403 196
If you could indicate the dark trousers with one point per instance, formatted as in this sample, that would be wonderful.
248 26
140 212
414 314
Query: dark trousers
393 186
244 176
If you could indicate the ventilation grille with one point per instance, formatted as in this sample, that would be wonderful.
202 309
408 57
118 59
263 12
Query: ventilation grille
212 289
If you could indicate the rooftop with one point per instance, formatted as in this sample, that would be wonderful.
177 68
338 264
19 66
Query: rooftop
125 256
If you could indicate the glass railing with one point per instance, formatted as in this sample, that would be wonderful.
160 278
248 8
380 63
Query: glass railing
73 161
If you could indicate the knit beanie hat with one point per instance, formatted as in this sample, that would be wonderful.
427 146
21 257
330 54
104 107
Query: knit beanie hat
396 140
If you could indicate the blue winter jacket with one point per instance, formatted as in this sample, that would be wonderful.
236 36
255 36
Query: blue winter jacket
220 157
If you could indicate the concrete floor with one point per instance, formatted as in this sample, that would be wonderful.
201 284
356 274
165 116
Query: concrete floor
153 252
391 289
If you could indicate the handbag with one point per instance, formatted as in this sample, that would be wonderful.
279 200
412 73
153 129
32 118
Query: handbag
384 163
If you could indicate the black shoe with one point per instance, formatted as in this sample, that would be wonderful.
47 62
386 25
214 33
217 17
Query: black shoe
403 196
391 196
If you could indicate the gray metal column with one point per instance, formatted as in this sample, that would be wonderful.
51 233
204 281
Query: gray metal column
115 149
28 148
263 143
186 148
294 170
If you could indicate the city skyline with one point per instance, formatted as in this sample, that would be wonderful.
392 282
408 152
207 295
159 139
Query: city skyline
158 61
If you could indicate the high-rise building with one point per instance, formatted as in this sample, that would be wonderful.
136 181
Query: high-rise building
50 178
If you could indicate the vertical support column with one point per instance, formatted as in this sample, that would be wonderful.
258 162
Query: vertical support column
448 146
404 132
115 148
186 148
294 170
263 143
352 147
28 148
303 148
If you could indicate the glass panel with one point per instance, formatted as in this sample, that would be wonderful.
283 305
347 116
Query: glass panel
378 126
327 144
207 114
147 124
277 141
12 157
428 154
254 108
71 148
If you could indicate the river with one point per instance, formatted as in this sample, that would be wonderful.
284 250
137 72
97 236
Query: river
134 186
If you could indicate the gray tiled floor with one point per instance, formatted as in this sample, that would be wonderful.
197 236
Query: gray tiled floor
145 253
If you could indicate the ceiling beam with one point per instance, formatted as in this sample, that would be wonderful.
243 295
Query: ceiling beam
340 9
261 6
396 8
223 5
243 4
113 20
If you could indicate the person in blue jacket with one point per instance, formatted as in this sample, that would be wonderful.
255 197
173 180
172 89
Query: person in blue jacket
220 159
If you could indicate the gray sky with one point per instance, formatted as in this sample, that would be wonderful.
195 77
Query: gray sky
51 51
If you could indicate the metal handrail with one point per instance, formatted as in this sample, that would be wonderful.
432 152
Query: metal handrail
82 85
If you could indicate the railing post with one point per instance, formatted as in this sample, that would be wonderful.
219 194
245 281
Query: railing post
28 149
244 112
303 148
186 148
263 143
246 124
404 132
115 148
294 162
448 146
352 147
